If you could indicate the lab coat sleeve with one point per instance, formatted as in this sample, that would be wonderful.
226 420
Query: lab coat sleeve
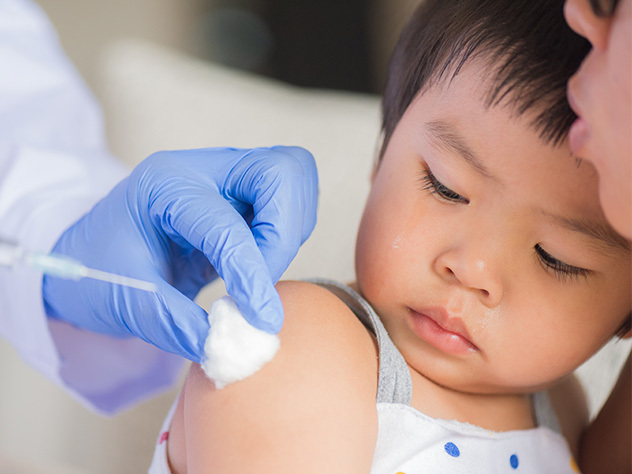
54 166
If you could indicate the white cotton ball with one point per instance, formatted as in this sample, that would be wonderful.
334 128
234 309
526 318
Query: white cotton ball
234 349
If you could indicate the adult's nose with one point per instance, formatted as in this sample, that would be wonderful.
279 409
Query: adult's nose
582 19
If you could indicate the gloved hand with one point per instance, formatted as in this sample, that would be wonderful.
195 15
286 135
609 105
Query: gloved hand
180 219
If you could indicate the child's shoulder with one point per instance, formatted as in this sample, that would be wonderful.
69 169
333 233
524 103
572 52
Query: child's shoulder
307 304
321 329
312 406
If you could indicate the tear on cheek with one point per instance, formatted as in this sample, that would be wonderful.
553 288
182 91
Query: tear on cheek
399 240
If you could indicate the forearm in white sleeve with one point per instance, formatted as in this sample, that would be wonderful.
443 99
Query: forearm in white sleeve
54 166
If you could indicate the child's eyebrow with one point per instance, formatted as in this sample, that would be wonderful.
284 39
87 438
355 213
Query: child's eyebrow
595 230
446 136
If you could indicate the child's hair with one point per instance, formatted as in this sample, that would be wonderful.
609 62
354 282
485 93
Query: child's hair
526 45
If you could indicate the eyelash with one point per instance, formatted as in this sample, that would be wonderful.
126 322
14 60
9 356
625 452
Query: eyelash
432 184
562 270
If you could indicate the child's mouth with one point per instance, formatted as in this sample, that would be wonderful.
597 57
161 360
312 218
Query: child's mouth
447 334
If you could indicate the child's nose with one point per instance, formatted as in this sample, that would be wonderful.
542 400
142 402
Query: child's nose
473 271
583 20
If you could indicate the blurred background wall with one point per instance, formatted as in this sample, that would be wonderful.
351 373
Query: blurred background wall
314 43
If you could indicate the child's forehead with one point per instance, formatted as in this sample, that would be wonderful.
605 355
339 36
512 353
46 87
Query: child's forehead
478 78
473 88
484 76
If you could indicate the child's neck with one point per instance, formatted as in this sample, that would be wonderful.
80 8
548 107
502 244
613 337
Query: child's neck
491 412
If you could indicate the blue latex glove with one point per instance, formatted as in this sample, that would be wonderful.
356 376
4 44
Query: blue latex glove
180 219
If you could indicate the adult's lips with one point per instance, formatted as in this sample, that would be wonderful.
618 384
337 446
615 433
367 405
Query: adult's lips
580 130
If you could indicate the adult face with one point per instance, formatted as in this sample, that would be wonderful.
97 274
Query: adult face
601 94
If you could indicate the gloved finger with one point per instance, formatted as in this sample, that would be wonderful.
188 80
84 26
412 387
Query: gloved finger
208 222
281 184
190 271
166 319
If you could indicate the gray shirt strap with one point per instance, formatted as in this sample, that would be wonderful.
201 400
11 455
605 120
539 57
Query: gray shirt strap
394 383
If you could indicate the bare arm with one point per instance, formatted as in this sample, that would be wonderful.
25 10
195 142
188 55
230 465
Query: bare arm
310 410
606 445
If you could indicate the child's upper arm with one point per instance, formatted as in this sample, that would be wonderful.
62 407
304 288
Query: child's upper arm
311 409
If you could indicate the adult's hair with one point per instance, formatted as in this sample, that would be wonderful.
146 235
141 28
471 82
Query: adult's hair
525 44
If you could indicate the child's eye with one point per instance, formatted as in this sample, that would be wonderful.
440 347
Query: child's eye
430 183
562 270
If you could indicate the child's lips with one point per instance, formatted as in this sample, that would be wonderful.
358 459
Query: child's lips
436 327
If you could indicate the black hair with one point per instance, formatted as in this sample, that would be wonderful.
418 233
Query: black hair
530 50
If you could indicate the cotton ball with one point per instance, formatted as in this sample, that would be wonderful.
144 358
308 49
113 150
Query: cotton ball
233 348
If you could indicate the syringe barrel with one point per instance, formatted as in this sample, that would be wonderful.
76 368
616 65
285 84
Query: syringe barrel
10 253
55 265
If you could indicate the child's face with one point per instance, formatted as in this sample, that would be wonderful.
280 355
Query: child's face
497 273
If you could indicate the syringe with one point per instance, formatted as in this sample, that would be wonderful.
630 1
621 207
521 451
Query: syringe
63 267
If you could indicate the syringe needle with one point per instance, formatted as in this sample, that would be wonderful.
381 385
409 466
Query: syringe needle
63 266
117 279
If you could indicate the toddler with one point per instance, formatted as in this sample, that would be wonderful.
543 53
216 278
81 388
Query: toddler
486 273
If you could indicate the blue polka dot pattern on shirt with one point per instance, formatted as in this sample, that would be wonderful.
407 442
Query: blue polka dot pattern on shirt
452 450
513 461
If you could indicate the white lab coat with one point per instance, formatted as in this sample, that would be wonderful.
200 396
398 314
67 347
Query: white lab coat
54 165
